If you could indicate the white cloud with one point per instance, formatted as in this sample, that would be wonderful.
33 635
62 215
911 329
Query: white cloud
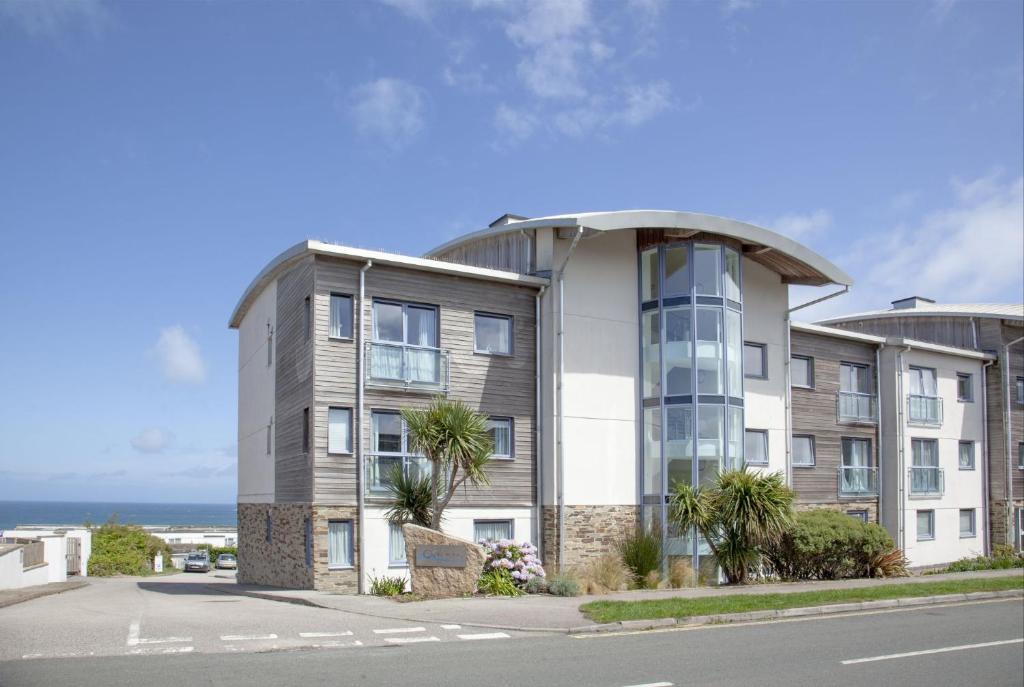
514 124
417 9
390 110
51 17
179 356
152 440
800 226
645 102
730 7
553 34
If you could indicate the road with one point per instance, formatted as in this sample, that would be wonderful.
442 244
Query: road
955 644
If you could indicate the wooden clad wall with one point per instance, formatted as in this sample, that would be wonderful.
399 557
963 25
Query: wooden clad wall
293 358
814 413
495 385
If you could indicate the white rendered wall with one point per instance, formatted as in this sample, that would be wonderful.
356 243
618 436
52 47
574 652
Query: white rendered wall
765 301
458 522
963 488
256 400
215 539
55 547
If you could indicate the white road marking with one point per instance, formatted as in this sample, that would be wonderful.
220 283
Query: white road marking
945 649
336 645
653 684
410 640
73 654
164 650
451 627
485 635
245 638
326 634
164 640
396 630
133 633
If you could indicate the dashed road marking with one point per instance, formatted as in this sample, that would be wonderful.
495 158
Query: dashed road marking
451 627
165 640
72 654
925 652
164 650
396 630
347 633
336 645
653 684
246 638
410 640
485 635
133 633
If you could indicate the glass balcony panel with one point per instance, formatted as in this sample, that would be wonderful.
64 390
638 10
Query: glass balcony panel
924 410
926 480
406 366
855 407
858 481
379 470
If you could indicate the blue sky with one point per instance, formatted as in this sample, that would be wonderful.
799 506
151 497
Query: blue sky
154 157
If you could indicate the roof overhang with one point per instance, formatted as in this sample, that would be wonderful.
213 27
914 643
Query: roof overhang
796 263
896 341
299 251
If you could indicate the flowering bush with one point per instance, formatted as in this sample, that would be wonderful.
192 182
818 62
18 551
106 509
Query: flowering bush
520 560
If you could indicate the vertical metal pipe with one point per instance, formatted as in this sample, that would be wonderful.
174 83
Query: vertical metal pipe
360 463
878 430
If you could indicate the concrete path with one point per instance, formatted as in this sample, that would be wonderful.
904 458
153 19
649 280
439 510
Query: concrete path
546 613
9 597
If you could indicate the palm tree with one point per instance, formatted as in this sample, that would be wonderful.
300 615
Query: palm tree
454 439
740 515
411 498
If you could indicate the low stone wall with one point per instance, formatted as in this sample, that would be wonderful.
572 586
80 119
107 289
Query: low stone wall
344 581
590 532
280 559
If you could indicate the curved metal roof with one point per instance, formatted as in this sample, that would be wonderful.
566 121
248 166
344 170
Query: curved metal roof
1003 311
795 262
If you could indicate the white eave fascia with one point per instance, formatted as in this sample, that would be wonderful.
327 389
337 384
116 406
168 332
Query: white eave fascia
837 333
305 248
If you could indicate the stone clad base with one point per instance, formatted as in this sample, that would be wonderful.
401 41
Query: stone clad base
277 560
590 532
871 506
1004 532
442 582
345 580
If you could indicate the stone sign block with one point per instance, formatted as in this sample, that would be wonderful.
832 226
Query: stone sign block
441 565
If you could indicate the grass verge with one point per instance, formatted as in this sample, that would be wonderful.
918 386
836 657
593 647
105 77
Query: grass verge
614 611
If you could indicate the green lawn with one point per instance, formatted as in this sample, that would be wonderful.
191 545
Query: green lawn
613 611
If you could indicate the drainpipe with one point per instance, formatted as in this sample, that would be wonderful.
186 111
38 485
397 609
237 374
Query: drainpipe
985 506
360 464
789 378
560 448
900 453
1009 438
538 519
878 424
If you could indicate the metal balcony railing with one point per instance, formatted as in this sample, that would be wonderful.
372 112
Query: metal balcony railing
926 481
858 481
406 367
380 468
853 406
924 410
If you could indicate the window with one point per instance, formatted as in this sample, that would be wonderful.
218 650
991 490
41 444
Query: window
396 546
1020 390
493 334
305 430
339 544
854 378
802 371
925 525
270 345
732 275
341 317
339 430
390 450
755 446
856 453
964 388
966 455
707 273
492 530
925 452
307 540
649 274
500 431
269 525
803 451
967 524
307 317
755 364
270 431
1020 455
922 381
405 323
710 338
861 514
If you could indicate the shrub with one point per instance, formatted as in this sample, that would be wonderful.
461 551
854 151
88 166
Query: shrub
387 586
641 553
1003 558
498 582
892 563
125 550
604 574
537 585
563 584
680 573
825 544
520 560
218 550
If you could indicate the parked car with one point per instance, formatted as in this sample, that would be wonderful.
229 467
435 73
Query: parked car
197 562
227 561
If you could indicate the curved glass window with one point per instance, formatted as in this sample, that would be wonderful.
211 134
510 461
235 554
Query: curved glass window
691 320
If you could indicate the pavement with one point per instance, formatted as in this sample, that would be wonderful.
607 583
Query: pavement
958 644
544 613
9 597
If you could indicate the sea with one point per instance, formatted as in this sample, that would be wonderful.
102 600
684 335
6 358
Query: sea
13 513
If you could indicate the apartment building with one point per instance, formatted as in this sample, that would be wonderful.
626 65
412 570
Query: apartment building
616 354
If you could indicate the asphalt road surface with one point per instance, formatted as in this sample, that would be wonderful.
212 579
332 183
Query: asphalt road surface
957 644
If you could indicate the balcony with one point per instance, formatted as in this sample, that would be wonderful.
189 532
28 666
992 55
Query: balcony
924 410
858 481
927 481
406 367
855 407
379 469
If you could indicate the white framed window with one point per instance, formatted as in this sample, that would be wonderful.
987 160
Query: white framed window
340 321
1020 390
802 371
339 544
755 360
966 461
755 446
859 514
968 526
492 334
964 387
492 530
922 382
925 525
803 451
500 431
339 430
396 546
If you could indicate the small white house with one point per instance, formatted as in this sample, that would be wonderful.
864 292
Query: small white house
31 555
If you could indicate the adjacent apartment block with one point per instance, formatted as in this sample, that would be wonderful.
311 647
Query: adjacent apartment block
615 354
